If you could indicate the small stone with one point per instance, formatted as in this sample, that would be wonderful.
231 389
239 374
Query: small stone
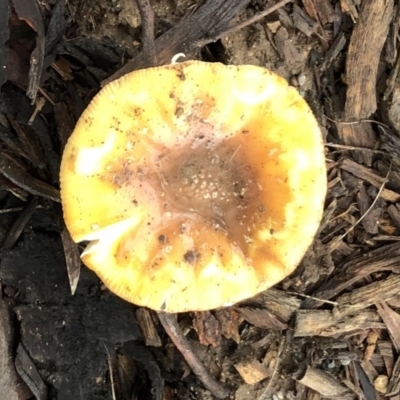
381 383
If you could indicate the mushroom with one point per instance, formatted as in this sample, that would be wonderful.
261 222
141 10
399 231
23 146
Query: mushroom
197 185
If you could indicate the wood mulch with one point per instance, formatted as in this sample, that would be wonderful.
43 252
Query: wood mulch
329 331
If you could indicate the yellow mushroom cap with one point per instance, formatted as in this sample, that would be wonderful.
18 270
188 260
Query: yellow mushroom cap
197 184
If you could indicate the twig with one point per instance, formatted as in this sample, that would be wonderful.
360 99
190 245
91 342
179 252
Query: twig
346 147
39 104
110 367
10 210
243 24
283 345
306 296
173 330
359 121
147 17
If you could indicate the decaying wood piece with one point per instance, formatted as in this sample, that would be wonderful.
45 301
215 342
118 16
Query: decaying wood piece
390 144
229 321
377 362
385 258
370 215
252 20
392 321
393 111
208 328
368 175
371 345
287 50
271 309
369 370
330 324
209 20
278 302
335 49
386 351
252 371
303 22
320 10
363 57
361 172
394 213
354 387
326 385
262 318
369 294
394 382
369 36
149 331
350 7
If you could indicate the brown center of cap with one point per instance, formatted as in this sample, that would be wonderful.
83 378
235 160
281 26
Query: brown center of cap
217 186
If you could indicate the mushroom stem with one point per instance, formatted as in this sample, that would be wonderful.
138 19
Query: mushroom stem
147 17
173 330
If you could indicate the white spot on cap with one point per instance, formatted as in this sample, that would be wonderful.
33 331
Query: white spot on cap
89 159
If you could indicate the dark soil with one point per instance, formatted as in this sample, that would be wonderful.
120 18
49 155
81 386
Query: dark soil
330 331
